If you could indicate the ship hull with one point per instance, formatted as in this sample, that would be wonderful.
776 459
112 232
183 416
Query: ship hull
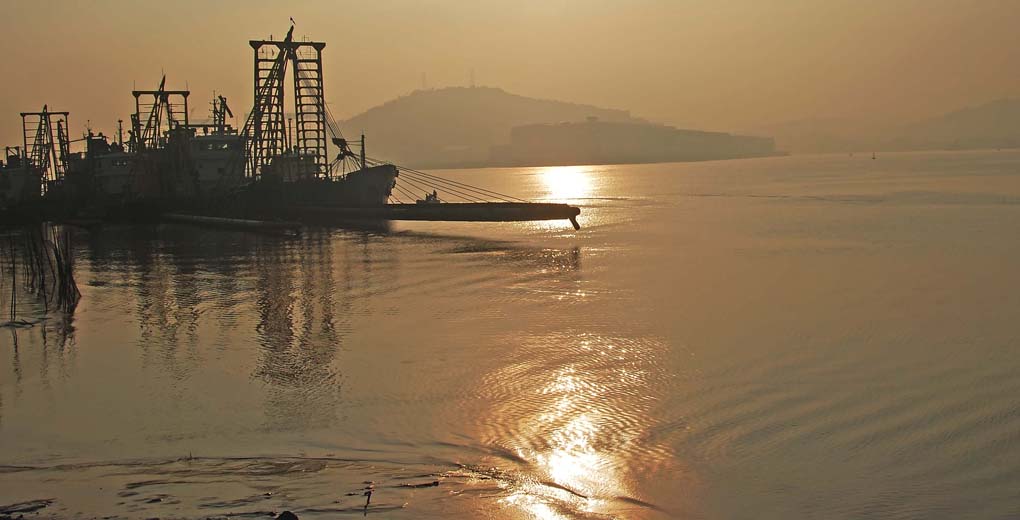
362 188
271 198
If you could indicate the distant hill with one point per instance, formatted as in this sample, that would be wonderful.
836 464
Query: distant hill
457 126
992 125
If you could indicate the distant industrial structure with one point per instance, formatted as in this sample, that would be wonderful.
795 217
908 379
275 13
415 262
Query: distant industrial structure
609 142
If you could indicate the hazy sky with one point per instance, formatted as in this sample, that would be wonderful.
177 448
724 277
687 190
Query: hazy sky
726 65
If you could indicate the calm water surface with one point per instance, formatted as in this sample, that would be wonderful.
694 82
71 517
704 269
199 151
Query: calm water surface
801 337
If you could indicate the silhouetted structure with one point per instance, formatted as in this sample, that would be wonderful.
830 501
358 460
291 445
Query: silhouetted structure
269 137
262 173
45 143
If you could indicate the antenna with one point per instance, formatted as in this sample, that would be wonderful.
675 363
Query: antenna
472 77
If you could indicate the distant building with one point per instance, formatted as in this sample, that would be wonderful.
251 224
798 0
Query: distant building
604 142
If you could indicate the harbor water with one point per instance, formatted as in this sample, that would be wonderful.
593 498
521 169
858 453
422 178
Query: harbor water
789 337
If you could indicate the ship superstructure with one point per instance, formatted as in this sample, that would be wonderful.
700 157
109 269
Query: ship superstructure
20 184
287 161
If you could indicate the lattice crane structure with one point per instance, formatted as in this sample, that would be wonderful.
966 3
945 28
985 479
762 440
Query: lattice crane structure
266 130
46 146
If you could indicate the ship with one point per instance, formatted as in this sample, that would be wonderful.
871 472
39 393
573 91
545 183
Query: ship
279 164
20 185
26 171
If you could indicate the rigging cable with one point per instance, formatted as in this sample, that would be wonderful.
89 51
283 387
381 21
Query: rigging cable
466 193
468 187
410 178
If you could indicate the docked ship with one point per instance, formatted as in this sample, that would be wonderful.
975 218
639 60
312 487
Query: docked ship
308 162
20 185
170 163
277 165
166 163
25 170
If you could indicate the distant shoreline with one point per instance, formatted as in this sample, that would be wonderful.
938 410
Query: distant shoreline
501 164
489 164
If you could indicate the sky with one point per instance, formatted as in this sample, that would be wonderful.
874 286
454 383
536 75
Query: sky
711 64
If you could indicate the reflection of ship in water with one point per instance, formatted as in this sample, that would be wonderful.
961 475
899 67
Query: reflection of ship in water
282 307
195 296
240 344
302 311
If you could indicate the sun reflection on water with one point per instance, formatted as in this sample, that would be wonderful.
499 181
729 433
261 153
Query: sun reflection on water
567 415
577 467
567 183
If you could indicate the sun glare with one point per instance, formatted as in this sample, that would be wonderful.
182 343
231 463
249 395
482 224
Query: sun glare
567 183
580 471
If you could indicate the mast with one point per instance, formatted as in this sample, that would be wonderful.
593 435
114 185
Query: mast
268 127
168 110
46 145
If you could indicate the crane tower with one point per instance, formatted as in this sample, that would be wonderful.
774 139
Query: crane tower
269 137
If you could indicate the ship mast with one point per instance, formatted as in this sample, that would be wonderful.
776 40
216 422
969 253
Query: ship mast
267 130
46 144
167 111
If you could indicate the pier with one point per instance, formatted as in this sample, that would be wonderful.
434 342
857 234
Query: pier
447 211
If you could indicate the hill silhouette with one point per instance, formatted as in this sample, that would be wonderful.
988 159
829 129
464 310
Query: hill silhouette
458 126
992 125
995 124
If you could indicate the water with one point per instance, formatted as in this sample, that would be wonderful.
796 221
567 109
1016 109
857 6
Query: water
800 337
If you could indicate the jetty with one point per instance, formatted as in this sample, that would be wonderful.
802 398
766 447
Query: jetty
447 211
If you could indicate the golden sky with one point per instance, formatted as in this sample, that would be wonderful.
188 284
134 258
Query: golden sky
726 65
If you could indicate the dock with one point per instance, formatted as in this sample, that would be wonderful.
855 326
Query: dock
446 211
236 223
